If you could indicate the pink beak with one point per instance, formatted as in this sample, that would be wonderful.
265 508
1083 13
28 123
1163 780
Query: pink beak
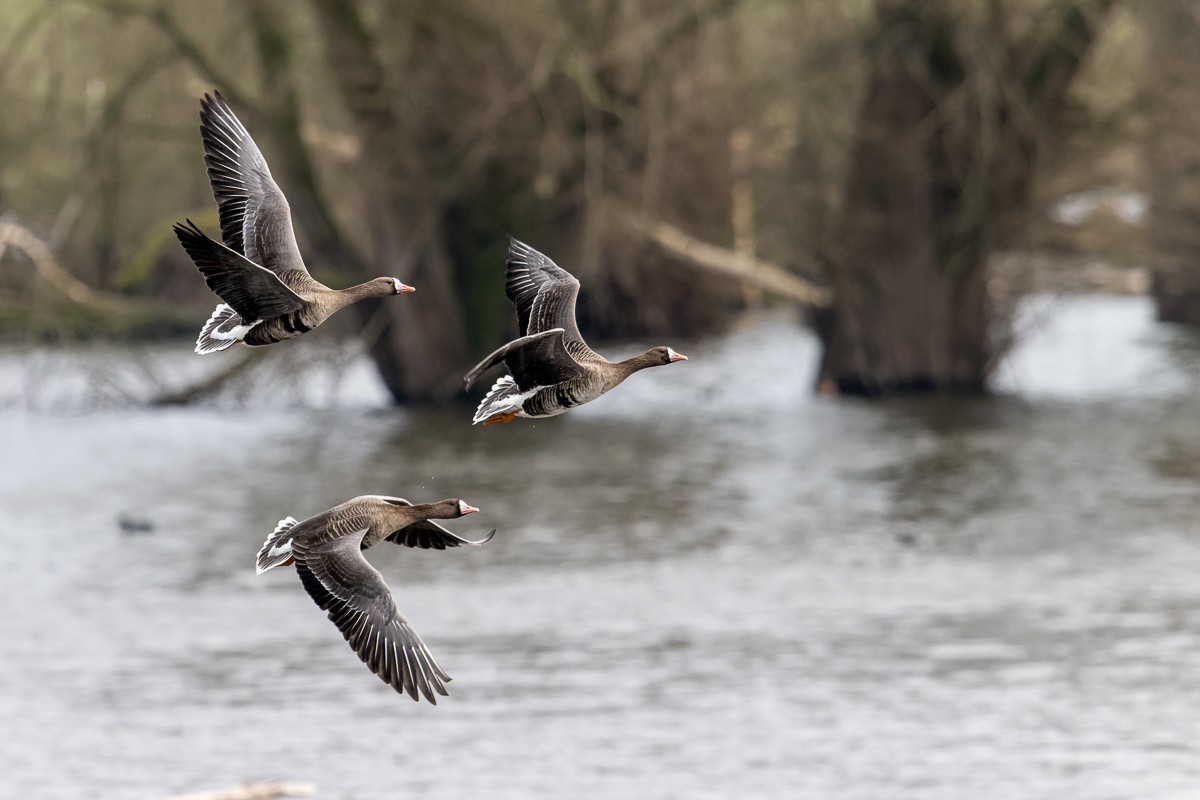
404 287
678 357
466 509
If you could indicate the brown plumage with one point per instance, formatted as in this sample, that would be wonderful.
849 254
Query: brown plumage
258 272
551 368
327 550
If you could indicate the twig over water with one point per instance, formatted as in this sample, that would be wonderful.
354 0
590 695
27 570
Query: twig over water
259 790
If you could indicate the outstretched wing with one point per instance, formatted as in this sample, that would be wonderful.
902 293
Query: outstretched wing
427 534
359 602
253 292
543 292
256 220
540 359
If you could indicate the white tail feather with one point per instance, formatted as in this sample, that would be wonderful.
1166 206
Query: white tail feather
223 330
275 550
502 398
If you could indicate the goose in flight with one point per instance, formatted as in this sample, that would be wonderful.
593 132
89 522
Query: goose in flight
551 369
327 550
267 294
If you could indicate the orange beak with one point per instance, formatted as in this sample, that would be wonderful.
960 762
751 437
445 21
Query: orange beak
678 357
466 509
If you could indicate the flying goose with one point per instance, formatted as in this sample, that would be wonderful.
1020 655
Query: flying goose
327 551
267 292
552 368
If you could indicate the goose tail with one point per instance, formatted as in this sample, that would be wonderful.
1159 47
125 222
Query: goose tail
277 549
502 402
223 330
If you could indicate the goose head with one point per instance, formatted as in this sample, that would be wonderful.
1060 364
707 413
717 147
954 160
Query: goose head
450 509
658 356
385 287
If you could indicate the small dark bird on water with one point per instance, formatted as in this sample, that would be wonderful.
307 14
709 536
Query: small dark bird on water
258 272
327 550
128 523
551 368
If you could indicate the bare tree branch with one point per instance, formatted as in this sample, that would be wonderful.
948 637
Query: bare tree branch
1059 57
727 262
22 35
161 17
259 790
206 388
48 269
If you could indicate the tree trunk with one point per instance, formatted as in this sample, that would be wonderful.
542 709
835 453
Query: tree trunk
1173 157
904 320
940 178
417 346
279 113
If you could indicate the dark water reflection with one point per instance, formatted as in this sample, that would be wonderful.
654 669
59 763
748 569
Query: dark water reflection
710 584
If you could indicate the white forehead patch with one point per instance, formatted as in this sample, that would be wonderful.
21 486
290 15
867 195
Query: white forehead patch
670 353
399 285
462 506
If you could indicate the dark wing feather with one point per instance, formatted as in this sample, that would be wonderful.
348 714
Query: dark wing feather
540 359
256 220
359 602
543 292
428 535
253 292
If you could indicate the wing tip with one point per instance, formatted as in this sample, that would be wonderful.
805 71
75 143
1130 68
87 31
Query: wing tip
517 250
484 540
188 229
214 102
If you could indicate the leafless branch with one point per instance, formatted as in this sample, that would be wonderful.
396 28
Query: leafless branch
727 262
161 17
48 269
259 790
207 388
22 35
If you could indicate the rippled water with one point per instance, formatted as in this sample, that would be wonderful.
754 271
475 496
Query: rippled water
710 584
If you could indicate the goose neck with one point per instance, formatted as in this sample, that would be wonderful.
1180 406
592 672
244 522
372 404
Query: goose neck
638 362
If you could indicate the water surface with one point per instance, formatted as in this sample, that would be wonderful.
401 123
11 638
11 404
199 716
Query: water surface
710 584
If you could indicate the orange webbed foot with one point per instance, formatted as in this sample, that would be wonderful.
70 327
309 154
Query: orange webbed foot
495 418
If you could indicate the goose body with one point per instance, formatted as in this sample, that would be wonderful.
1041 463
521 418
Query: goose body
268 295
327 550
551 369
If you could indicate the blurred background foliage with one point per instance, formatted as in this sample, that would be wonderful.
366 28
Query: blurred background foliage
915 158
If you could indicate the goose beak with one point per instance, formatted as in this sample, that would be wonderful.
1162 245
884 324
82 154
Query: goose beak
675 356
466 509
401 288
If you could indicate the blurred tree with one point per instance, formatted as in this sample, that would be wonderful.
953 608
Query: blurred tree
475 129
885 146
961 103
421 131
469 123
1172 152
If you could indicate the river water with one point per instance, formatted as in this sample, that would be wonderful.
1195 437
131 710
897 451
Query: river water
709 584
